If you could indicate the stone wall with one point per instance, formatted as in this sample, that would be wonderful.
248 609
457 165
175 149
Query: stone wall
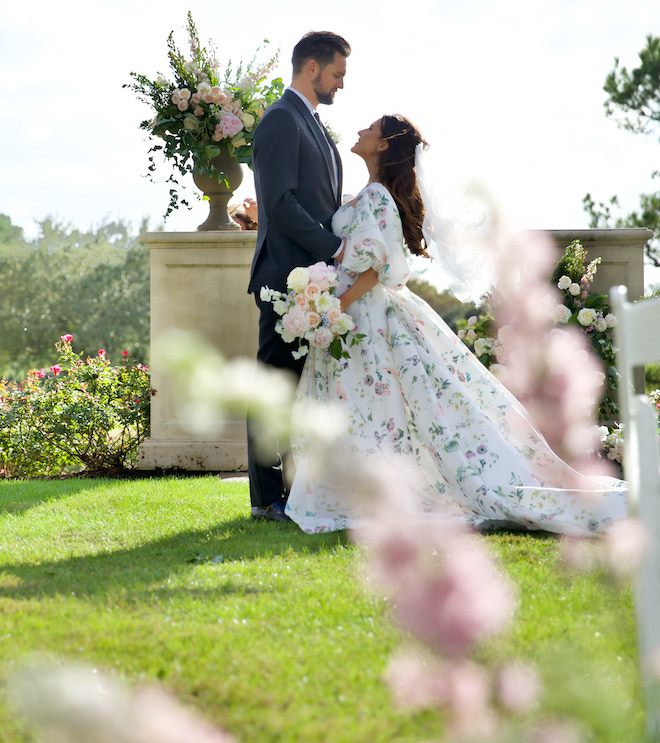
198 283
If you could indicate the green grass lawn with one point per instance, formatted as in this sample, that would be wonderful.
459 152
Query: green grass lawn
268 632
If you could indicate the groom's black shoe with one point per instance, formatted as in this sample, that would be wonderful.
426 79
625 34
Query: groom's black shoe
273 512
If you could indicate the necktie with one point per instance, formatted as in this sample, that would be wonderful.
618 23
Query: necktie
332 152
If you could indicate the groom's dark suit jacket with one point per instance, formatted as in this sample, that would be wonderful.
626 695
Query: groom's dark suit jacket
295 198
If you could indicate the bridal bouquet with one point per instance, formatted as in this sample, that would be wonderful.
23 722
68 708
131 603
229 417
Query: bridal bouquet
311 312
201 110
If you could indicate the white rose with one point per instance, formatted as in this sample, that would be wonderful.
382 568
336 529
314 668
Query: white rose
248 120
563 283
471 335
298 279
610 320
586 316
326 301
280 306
482 346
601 325
561 314
160 80
472 320
343 324
190 123
461 334
246 82
574 289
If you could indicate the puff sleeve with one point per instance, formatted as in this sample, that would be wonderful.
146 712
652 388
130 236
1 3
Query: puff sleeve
375 238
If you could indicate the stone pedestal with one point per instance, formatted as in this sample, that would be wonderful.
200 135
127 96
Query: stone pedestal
199 284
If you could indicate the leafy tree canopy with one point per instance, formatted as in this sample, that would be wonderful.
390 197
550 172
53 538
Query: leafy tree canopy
634 102
93 284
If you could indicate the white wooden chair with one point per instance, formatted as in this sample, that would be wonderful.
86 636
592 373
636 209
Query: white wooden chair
637 339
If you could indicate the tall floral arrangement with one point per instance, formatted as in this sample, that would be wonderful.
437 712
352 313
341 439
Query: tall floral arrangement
199 109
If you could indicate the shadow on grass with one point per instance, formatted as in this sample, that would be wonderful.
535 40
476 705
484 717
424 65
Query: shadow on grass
140 572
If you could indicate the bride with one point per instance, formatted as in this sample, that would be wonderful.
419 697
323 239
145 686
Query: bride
412 392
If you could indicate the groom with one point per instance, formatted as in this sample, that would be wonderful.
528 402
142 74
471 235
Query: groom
298 180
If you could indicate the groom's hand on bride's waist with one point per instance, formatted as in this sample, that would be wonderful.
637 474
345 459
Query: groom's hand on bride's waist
339 255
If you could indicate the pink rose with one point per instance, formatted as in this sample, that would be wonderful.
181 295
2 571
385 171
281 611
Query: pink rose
296 322
67 338
56 368
41 374
322 337
301 301
314 319
219 98
101 352
312 292
230 125
323 275
333 314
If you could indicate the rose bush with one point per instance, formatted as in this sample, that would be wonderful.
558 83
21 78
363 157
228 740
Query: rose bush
82 414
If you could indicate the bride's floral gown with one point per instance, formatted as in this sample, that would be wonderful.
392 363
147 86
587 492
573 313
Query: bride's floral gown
412 388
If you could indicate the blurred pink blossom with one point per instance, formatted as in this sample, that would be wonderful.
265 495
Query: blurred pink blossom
444 586
518 687
624 546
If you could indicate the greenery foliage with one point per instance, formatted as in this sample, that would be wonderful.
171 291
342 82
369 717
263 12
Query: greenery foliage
599 330
82 413
93 284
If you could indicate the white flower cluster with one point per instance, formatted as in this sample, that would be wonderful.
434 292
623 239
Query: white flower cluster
612 442
587 316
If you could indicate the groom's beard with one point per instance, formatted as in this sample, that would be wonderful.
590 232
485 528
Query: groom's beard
325 97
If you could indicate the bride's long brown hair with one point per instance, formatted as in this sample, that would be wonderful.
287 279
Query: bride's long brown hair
396 171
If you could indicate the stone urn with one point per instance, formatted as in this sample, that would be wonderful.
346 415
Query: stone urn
219 193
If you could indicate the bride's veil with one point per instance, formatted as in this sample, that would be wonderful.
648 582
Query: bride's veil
456 216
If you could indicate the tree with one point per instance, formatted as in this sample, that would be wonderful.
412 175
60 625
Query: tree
94 285
444 303
634 101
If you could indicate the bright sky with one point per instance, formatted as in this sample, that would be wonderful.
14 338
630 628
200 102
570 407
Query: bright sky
507 91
